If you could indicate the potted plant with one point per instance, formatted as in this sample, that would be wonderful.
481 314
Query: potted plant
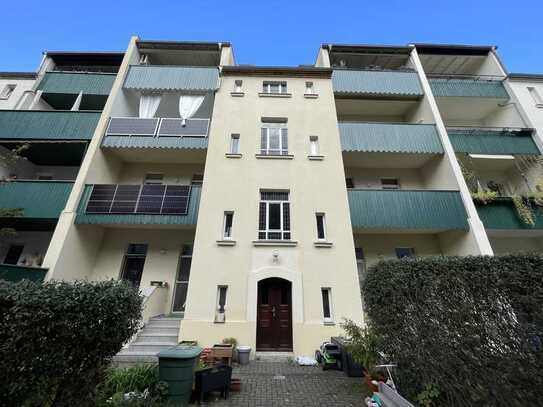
234 343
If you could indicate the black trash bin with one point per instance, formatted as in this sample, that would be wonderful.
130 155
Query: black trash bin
349 366
176 367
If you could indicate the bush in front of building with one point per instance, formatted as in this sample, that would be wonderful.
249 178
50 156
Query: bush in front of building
469 328
56 339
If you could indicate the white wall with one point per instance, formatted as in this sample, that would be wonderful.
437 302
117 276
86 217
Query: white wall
21 86
517 244
370 178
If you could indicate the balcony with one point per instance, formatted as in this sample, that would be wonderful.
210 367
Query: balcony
501 214
32 125
172 78
468 86
150 204
389 138
75 82
492 140
14 273
377 83
416 210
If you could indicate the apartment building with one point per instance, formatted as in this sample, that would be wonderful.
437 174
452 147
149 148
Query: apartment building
248 201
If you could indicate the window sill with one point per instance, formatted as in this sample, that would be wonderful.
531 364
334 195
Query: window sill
225 242
311 95
233 155
323 244
278 243
275 95
275 156
539 105
329 323
237 94
315 157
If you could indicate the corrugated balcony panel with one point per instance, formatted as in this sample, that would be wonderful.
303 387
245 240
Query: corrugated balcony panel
189 219
172 78
37 199
502 214
189 143
47 125
392 138
445 87
404 209
488 141
14 273
75 82
377 83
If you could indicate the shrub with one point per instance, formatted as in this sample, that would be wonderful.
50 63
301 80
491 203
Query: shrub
57 338
464 331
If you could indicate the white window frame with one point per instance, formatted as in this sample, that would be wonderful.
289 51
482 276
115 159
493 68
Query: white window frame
178 282
314 148
266 150
329 319
281 230
390 187
267 87
536 97
238 86
234 143
310 88
324 231
8 91
227 233
220 317
155 181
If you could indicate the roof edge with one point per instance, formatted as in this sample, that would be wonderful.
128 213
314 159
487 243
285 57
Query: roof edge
529 76
182 45
452 49
22 75
284 71
403 49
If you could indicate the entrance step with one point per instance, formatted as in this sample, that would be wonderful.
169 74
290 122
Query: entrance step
274 356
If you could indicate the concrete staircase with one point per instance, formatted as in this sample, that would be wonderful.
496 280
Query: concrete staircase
160 333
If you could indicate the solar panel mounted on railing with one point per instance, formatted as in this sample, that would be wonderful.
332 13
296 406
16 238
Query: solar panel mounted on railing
176 200
101 199
192 127
131 126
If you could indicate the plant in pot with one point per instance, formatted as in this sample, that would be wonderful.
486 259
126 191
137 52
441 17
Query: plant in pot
363 346
234 343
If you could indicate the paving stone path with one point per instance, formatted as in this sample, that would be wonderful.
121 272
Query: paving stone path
275 384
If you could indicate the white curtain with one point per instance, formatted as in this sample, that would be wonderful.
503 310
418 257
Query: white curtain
77 102
149 105
189 105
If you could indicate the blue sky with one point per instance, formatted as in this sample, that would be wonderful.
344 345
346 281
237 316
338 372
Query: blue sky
270 32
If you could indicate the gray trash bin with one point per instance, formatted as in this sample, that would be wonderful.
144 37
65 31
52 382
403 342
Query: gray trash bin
243 354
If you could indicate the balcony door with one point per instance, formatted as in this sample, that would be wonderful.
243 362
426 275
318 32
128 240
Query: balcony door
182 279
134 261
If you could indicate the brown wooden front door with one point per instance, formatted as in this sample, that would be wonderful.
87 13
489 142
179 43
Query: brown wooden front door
274 315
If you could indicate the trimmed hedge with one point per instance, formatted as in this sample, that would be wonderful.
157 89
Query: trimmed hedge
472 327
56 339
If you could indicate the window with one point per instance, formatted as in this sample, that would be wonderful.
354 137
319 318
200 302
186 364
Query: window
405 252
321 226
197 179
7 91
274 139
390 183
274 216
221 303
227 228
238 86
182 279
134 260
327 305
349 182
360 263
13 254
535 96
154 178
234 144
309 88
313 145
274 87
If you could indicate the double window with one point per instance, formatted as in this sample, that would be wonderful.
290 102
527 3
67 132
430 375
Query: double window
274 87
274 216
274 139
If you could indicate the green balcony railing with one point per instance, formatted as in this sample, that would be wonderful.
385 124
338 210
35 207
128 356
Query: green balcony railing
407 209
465 86
172 78
84 216
502 214
390 138
374 83
75 82
14 273
36 199
50 125
498 141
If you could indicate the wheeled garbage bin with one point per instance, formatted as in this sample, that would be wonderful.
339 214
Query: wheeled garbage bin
349 366
176 367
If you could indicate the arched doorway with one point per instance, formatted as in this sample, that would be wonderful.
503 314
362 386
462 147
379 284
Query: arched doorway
274 315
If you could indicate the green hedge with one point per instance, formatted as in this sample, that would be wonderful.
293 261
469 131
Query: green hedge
472 327
56 339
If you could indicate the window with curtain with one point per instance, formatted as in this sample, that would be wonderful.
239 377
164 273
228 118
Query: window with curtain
149 105
274 216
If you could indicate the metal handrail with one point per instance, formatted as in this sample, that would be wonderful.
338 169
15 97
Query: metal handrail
368 69
156 131
488 78
490 128
402 190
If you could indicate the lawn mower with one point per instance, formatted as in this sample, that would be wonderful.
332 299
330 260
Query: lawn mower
328 356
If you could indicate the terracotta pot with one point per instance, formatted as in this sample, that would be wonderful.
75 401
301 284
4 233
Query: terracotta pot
235 384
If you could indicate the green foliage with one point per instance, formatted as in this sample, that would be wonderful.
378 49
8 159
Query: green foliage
524 211
140 382
471 326
57 338
428 396
363 344
230 341
484 197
